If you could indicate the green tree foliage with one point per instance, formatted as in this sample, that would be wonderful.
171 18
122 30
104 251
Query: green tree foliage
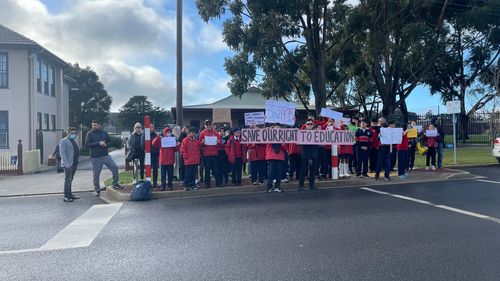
291 41
138 107
88 100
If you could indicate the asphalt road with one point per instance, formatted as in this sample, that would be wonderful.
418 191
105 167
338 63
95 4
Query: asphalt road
339 234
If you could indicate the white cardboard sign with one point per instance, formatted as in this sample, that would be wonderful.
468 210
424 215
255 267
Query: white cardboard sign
326 112
168 142
211 140
255 118
281 112
391 135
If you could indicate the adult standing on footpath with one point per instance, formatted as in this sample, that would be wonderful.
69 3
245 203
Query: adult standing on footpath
440 144
69 153
136 144
363 142
97 142
210 153
383 156
403 159
309 161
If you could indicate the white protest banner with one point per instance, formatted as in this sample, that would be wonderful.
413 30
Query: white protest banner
255 118
211 140
311 137
281 112
431 133
326 112
168 142
391 135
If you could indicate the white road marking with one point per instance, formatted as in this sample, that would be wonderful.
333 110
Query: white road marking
488 181
79 233
444 207
82 231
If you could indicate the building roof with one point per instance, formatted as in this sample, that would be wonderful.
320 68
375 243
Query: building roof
10 37
251 99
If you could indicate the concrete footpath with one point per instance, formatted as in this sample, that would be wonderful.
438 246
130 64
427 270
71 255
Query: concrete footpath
48 181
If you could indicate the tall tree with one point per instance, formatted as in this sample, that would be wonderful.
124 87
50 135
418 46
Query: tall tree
472 48
402 39
88 100
138 107
267 35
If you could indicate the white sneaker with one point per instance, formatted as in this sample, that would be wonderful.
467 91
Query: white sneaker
134 182
427 168
433 168
277 190
285 180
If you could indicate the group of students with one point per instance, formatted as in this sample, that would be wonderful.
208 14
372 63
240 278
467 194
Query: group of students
220 152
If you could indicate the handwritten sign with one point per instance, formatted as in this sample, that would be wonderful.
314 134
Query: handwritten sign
280 112
221 115
211 140
326 112
168 142
255 118
297 136
431 133
391 135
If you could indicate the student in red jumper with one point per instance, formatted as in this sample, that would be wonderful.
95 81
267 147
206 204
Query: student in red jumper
257 159
167 159
190 150
275 154
210 154
236 154
294 150
403 154
432 144
375 129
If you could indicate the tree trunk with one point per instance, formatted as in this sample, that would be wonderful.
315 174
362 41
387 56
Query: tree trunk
404 111
319 86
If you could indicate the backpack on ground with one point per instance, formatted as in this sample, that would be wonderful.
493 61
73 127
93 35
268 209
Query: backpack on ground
141 191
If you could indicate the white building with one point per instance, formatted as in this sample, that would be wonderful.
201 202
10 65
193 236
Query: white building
34 93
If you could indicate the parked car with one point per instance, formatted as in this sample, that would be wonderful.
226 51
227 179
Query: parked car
496 148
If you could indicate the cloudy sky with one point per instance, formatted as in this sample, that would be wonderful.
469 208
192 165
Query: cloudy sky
131 46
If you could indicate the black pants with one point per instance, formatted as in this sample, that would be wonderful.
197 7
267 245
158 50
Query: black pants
141 165
402 162
373 159
257 169
190 175
274 173
362 165
155 162
295 162
308 164
353 161
224 167
167 170
394 157
236 169
411 155
431 155
384 160
326 162
210 163
69 173
285 166
182 168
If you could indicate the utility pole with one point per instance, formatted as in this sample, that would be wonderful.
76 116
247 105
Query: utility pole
179 112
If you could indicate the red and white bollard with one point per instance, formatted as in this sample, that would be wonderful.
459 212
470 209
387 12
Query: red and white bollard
335 162
147 146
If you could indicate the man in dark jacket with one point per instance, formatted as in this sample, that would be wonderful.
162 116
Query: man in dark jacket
97 142
309 161
435 122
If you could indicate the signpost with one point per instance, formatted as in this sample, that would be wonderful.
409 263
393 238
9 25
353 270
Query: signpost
453 107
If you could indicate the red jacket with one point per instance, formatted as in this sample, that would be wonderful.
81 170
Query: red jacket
190 149
257 152
167 154
294 149
375 140
235 149
404 143
271 155
431 141
209 150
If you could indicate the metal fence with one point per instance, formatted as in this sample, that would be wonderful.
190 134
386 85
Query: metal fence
479 130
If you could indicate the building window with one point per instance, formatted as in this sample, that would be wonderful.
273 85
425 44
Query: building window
53 122
46 79
4 70
52 79
46 121
39 120
4 129
38 71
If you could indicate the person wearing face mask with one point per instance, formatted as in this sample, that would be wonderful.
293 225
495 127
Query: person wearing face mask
69 153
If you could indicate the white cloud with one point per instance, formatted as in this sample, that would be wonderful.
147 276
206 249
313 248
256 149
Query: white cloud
125 42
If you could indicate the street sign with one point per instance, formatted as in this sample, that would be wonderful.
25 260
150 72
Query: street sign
453 107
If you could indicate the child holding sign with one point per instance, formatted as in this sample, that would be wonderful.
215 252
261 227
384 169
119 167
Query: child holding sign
167 145
431 136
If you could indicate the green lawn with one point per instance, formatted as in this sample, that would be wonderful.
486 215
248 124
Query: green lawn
125 178
465 155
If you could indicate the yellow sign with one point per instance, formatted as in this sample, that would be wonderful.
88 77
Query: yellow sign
412 133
